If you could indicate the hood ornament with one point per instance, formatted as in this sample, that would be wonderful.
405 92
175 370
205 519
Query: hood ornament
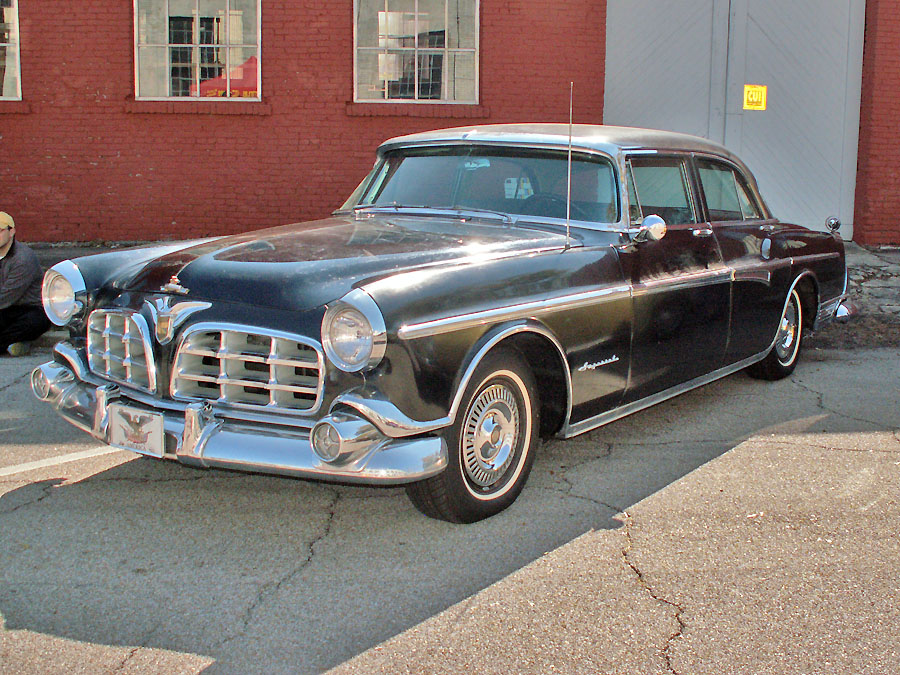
167 318
174 286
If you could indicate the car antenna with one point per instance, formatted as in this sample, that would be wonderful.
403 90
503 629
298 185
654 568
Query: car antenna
569 166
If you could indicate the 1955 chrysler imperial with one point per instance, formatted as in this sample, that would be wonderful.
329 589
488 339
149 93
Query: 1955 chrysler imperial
482 288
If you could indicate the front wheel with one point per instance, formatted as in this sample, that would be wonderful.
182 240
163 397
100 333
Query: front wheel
491 444
782 359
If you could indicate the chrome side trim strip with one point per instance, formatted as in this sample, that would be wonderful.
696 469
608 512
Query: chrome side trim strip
393 423
693 280
571 430
511 312
814 257
389 419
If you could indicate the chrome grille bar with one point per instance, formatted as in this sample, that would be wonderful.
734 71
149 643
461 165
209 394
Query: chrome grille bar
118 348
245 366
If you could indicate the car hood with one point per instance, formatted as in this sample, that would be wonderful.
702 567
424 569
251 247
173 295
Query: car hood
307 265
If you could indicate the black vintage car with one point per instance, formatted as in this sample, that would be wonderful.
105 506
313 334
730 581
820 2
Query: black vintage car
482 288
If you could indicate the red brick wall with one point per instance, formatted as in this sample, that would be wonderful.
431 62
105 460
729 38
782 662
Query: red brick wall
82 160
876 220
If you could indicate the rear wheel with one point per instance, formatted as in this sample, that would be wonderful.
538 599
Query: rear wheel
491 444
782 359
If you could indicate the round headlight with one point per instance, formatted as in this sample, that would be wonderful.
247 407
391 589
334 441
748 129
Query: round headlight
58 298
348 339
353 333
63 292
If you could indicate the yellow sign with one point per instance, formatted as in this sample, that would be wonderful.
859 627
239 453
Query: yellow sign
754 97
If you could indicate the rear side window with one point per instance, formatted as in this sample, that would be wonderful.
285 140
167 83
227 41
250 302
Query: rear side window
727 194
659 186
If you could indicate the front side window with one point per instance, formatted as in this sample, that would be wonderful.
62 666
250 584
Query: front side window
197 49
727 194
10 83
500 180
416 50
659 186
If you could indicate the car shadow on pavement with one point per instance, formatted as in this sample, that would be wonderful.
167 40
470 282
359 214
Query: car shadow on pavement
271 574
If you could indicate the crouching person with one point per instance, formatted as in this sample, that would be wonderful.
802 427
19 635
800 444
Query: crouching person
22 317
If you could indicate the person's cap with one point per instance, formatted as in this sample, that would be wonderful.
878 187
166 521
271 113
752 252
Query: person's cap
6 220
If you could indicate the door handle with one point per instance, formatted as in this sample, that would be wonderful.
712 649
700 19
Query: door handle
702 232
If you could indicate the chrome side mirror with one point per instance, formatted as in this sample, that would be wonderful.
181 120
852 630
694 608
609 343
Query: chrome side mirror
833 224
653 228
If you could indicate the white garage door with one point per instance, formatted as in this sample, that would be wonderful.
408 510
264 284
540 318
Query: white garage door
682 65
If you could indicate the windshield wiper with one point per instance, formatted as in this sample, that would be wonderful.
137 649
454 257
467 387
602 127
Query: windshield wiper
459 211
390 206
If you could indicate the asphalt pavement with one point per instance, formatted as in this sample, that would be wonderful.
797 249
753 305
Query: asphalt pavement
744 527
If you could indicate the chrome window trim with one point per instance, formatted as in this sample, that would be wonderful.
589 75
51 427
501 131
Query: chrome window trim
511 312
684 157
213 326
744 173
619 226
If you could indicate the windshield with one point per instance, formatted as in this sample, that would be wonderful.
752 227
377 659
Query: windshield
516 181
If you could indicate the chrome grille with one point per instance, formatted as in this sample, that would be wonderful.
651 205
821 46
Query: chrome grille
245 367
118 348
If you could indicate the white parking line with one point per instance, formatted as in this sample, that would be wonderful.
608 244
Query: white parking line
61 459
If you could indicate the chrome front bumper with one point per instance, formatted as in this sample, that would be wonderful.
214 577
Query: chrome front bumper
197 435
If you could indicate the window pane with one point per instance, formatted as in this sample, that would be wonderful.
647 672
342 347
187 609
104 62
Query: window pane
662 190
367 22
242 22
401 69
460 74
462 28
152 25
152 72
432 28
243 73
368 84
748 205
721 192
431 66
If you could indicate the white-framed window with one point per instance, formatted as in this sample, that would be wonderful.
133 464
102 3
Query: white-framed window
10 81
415 51
197 49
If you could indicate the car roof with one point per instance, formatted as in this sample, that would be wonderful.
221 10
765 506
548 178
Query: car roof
611 140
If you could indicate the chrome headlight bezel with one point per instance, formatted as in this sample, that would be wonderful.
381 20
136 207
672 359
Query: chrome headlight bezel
63 293
355 311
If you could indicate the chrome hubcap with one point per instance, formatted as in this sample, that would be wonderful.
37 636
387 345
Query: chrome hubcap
787 334
489 435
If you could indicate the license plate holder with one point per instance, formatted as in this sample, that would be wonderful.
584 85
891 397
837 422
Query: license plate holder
137 430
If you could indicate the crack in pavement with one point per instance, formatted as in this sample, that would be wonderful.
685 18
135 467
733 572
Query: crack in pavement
45 492
805 444
820 403
271 589
17 380
642 580
130 655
